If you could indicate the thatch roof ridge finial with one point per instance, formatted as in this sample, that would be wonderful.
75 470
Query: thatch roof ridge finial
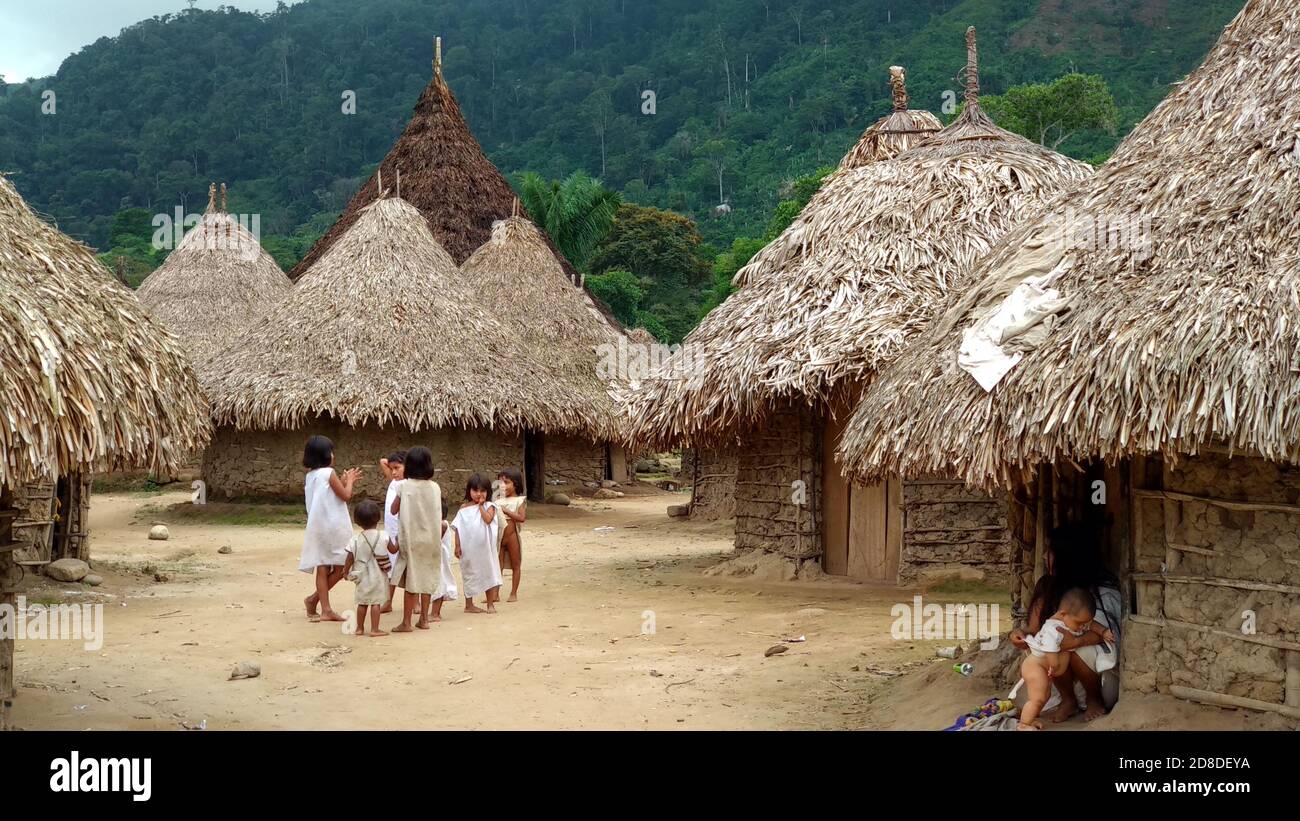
898 82
437 57
212 198
514 211
379 183
972 69
224 209
399 182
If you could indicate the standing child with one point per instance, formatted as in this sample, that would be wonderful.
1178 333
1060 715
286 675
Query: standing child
325 544
512 512
475 528
364 552
394 468
419 566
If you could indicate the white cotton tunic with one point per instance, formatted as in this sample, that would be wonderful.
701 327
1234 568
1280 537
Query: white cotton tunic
480 567
372 583
448 588
329 529
392 526
419 555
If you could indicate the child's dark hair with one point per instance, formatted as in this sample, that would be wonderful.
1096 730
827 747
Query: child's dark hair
397 457
367 514
515 478
419 463
319 453
1077 602
478 482
444 507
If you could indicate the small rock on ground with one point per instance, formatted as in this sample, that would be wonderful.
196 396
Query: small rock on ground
246 669
159 533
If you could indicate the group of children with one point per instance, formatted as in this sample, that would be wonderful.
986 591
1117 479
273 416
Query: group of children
414 549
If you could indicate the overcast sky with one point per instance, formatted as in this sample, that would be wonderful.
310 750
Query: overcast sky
36 35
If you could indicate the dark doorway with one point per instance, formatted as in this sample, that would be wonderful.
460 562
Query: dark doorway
535 466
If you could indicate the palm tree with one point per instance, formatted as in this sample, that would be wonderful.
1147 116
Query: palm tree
577 212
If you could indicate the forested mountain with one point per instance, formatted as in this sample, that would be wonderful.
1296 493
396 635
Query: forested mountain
749 95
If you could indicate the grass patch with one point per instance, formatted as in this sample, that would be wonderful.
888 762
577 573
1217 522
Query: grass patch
225 513
138 482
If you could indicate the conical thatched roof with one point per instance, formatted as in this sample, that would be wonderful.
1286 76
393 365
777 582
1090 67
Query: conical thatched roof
863 268
444 173
214 285
88 381
1183 334
521 283
385 329
896 132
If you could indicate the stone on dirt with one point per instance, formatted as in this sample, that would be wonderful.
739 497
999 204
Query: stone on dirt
159 533
67 570
245 669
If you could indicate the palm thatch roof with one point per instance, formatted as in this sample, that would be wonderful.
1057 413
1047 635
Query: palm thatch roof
866 264
88 381
641 336
384 329
214 285
900 129
521 283
444 173
1180 265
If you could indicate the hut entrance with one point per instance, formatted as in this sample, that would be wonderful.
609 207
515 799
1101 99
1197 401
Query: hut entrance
535 466
862 526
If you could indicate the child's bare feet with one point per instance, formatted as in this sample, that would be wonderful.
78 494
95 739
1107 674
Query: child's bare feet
330 615
513 597
388 608
403 628
423 624
1037 725
435 617
473 608
377 633
310 603
492 608
1094 711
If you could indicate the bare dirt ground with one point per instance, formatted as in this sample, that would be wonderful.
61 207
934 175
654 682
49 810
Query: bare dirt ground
570 654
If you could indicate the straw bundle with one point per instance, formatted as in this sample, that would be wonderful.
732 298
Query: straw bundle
521 283
384 329
866 264
213 286
1188 337
89 382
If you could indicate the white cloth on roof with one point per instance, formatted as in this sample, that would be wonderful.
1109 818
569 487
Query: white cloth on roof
998 341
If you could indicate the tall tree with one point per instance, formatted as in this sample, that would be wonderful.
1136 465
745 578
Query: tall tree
577 211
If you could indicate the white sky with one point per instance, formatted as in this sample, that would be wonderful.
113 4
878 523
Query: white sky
36 35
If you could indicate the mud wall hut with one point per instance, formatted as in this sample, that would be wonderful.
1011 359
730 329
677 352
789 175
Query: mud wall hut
90 383
1154 404
773 372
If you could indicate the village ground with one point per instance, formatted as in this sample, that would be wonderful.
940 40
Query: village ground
572 653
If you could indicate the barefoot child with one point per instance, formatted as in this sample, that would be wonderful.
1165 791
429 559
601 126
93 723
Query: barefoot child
362 568
512 512
1046 658
476 545
419 570
394 468
325 544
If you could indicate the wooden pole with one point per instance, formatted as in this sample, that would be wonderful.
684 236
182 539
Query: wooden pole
7 516
1292 697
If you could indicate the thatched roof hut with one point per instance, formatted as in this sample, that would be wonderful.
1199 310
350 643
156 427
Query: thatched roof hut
900 129
214 285
385 329
863 267
90 382
1178 261
444 174
1154 409
522 284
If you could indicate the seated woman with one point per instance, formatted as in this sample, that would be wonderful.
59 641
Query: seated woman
1073 561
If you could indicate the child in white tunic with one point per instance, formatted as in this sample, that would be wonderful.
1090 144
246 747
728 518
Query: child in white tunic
475 528
364 552
394 468
419 562
324 545
448 588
